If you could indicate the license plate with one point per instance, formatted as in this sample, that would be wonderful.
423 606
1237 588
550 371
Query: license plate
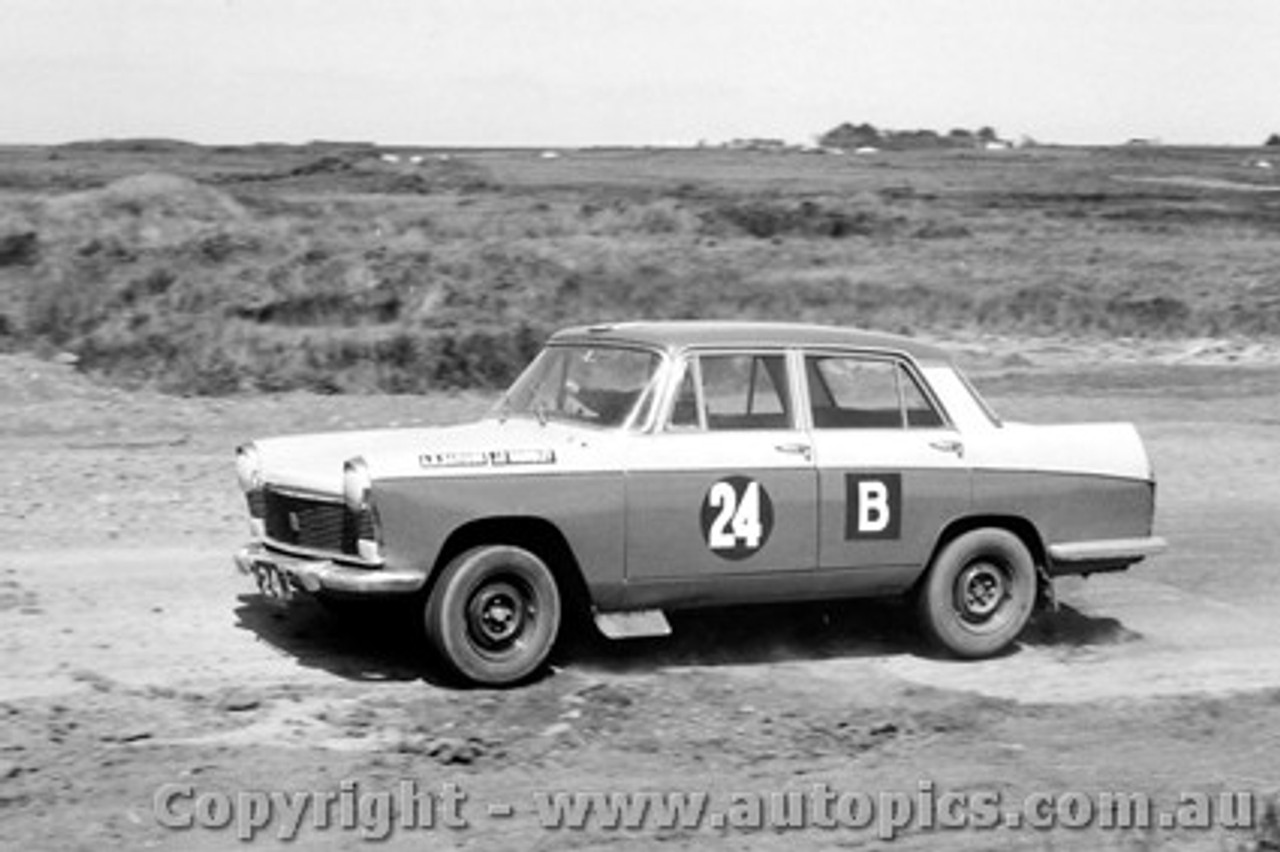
273 583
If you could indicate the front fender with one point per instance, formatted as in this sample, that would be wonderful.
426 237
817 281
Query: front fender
418 515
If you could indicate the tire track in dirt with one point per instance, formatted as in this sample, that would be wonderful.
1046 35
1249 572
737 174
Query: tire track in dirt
1120 637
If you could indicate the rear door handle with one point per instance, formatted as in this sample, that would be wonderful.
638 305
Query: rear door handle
948 447
796 449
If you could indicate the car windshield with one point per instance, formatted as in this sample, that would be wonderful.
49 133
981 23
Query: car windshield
595 385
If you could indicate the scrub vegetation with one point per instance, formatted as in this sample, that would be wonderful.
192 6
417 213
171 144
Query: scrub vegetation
347 268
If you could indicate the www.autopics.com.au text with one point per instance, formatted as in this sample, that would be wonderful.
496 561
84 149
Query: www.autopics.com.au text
414 806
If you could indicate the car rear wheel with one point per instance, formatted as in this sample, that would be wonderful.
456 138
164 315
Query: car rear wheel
494 614
979 593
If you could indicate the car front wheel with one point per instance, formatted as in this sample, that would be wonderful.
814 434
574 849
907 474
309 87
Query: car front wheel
494 614
979 593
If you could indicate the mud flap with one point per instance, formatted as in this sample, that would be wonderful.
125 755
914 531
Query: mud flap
633 625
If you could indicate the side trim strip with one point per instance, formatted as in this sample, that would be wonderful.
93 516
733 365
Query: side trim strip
1107 549
1050 471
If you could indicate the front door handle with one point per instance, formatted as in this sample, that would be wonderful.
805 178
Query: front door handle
796 449
948 447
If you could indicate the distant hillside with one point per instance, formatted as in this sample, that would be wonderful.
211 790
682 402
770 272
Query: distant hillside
265 269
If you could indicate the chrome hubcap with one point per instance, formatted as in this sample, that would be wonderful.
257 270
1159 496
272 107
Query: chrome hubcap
497 614
980 590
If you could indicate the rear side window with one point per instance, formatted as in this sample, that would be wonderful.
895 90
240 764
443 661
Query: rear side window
850 392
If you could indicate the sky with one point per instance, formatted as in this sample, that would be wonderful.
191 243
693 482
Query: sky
636 72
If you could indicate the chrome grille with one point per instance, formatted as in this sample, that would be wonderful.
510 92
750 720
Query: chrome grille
310 523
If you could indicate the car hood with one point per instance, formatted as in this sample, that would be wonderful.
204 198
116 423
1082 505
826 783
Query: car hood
314 463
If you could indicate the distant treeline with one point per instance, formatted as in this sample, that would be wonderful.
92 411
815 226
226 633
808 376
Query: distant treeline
851 137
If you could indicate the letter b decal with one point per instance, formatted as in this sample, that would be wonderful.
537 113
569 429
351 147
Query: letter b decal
873 506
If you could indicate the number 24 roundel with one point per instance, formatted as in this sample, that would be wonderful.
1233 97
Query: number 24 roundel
737 517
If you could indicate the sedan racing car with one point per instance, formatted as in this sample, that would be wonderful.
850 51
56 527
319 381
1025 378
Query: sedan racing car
634 469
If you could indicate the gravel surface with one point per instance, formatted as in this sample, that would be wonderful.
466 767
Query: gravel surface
134 657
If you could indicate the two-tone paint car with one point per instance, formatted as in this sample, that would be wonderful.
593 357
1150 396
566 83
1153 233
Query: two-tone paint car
638 468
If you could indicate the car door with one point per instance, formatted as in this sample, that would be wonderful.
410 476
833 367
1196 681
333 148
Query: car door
891 467
726 483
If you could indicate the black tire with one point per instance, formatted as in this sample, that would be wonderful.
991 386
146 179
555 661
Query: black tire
978 594
494 614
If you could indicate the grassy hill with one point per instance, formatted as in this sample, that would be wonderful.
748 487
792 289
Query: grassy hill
333 268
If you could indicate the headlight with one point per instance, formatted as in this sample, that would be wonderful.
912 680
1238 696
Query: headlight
249 467
356 484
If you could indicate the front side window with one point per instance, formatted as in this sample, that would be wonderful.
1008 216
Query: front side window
742 391
593 385
848 392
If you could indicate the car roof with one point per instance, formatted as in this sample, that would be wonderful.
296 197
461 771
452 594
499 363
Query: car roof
679 334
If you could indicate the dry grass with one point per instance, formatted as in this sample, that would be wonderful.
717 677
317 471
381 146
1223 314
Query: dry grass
284 268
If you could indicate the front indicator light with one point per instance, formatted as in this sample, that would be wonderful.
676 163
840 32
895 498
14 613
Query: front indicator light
370 551
356 485
357 489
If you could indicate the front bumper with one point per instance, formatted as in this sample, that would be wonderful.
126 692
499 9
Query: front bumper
323 575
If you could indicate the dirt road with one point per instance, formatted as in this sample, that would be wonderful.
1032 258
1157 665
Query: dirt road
134 656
